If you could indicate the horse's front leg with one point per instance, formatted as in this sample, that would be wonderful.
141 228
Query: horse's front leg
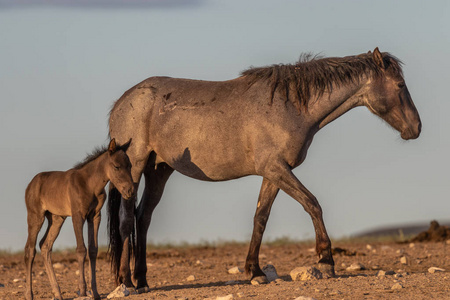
155 180
126 216
78 222
267 195
93 224
281 175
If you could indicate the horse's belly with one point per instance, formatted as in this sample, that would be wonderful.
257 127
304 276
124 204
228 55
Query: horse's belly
206 164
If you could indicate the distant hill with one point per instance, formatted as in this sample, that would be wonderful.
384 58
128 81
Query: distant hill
395 230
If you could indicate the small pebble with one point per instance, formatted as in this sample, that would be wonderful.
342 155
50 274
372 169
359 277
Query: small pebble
397 286
227 297
435 269
404 260
190 278
234 270
58 266
356 267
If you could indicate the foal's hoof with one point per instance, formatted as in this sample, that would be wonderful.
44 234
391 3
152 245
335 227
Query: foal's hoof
326 270
143 290
259 280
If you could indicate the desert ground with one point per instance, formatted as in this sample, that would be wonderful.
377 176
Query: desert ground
202 272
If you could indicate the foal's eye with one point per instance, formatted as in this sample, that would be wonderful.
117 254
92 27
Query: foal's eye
116 168
401 85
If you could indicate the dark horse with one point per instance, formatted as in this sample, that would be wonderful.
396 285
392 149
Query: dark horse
80 193
261 123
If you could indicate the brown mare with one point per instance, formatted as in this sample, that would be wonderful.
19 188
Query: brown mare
79 193
261 123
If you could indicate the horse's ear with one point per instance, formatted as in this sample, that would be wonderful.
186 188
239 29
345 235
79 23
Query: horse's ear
112 146
378 58
125 146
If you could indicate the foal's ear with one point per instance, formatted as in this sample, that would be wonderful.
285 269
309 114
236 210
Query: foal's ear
112 146
125 146
378 58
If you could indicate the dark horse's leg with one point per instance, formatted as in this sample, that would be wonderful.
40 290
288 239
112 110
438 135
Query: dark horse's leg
267 195
281 175
126 215
121 262
155 181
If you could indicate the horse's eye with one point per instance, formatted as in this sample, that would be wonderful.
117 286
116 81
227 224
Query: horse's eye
401 85
116 168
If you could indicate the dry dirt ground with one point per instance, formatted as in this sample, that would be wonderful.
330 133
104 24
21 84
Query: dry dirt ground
169 269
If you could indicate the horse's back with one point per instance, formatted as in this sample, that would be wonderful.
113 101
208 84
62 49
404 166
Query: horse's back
48 191
203 129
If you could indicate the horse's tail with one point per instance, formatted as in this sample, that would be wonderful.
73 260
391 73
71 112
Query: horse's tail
115 246
115 241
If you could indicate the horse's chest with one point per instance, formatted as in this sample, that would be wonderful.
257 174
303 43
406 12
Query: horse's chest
298 154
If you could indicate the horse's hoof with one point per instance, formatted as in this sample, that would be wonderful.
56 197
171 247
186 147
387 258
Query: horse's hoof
143 290
326 270
259 280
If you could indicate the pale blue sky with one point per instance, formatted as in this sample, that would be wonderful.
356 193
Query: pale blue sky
62 67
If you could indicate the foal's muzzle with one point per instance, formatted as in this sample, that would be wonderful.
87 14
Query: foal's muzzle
128 193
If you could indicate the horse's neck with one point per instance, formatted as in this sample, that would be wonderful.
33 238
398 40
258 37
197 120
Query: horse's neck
334 104
94 172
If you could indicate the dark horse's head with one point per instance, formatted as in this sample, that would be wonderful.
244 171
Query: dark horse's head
119 168
388 97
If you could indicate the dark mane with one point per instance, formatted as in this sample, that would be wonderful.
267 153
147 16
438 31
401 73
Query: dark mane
91 157
312 75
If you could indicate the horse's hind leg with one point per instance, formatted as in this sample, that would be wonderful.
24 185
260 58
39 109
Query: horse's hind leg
35 221
93 224
78 222
267 195
155 180
281 175
54 222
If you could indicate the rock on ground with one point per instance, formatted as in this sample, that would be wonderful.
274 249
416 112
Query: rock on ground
227 297
234 270
435 269
305 273
271 273
397 286
356 267
120 291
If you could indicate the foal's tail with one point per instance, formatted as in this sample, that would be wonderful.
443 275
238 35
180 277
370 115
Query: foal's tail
115 246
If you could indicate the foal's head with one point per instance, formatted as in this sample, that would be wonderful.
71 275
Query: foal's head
388 97
118 168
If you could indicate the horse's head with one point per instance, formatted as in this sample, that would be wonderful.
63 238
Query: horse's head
119 168
388 97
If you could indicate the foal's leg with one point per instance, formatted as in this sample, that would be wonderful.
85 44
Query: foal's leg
55 223
78 222
93 224
35 221
267 195
155 180
281 175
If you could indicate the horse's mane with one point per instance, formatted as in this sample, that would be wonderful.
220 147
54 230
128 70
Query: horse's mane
312 75
91 157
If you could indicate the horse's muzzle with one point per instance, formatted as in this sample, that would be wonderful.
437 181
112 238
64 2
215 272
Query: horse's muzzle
412 132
